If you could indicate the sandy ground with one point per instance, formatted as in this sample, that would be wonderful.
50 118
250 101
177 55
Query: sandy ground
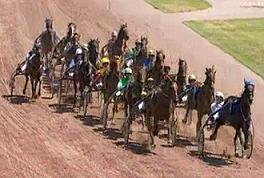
36 141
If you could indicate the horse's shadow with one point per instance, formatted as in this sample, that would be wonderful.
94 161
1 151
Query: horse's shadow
61 108
212 159
181 141
17 99
89 120
136 148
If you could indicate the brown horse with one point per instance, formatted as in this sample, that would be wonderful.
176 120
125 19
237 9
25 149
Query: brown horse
201 98
32 70
47 40
181 77
119 48
160 106
157 70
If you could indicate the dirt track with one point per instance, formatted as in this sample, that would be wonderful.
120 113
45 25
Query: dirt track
37 142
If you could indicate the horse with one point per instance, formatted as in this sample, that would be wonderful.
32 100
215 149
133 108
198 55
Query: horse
202 98
181 77
58 51
157 70
88 66
236 112
142 55
47 40
32 70
119 48
160 106
132 94
93 51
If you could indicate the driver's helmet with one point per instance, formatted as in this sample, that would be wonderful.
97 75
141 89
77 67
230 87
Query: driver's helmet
192 77
219 94
79 51
105 60
114 34
151 52
127 71
138 41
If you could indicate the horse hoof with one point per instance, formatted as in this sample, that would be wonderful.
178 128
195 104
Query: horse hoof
152 147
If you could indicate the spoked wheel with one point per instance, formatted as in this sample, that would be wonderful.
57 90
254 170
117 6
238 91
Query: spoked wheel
249 151
201 142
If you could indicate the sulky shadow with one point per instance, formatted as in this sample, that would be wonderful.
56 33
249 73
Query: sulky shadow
61 108
136 148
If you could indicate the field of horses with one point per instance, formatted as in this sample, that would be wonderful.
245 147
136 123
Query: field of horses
42 138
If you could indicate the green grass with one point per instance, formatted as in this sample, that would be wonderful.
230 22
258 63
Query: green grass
172 6
243 39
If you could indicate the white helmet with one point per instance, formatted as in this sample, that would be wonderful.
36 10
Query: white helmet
114 34
192 77
78 51
219 94
127 70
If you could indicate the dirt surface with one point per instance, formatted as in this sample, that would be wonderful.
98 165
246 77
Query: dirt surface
37 141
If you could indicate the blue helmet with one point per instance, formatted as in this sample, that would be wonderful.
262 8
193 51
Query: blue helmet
249 82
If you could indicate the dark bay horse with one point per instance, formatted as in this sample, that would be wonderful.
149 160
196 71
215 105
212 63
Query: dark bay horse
181 77
32 70
47 40
118 49
236 112
201 98
160 106
59 48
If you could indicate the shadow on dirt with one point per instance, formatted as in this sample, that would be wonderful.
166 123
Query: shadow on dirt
18 99
62 108
136 148
216 160
89 120
181 141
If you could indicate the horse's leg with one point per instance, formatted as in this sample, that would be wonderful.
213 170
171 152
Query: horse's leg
75 92
214 134
245 128
156 126
33 91
199 123
238 140
235 142
39 90
25 87
149 121
186 114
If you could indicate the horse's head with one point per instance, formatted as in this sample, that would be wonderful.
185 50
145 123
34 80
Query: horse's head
210 76
248 94
76 39
144 43
123 32
49 24
182 67
160 58
93 45
71 30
